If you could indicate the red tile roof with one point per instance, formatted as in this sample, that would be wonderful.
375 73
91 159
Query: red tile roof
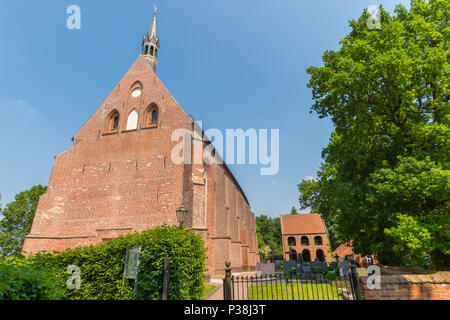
302 224
343 250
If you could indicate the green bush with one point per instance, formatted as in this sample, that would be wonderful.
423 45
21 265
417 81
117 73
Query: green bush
292 272
331 276
19 280
102 265
316 270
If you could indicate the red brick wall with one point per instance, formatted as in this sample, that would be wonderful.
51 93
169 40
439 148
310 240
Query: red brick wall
325 247
409 287
112 184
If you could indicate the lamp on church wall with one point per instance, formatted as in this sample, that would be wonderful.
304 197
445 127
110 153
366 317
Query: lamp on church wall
181 215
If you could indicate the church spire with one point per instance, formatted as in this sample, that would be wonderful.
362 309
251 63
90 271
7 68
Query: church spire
150 44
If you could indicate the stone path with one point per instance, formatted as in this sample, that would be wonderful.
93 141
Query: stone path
218 293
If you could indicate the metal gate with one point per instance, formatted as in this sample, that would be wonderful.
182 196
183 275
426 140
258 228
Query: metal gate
291 286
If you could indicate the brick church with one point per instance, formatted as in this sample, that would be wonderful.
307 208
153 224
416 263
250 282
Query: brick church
118 177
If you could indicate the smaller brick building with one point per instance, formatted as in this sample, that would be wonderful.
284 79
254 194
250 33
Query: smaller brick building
305 238
345 251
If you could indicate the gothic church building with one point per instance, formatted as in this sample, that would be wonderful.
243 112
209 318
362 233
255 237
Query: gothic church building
118 177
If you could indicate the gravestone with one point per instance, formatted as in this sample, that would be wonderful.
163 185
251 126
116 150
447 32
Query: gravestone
344 268
304 268
267 268
319 264
277 265
289 264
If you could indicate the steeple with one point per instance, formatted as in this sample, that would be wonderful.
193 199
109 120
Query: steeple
150 44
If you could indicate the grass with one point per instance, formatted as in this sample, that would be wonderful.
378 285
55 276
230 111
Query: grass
294 291
208 289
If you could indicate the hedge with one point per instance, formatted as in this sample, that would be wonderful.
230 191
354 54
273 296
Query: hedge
19 280
101 266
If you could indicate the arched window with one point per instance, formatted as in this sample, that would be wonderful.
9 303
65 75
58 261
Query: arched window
318 240
112 122
132 120
305 241
135 92
151 50
320 255
291 241
151 116
156 52
306 255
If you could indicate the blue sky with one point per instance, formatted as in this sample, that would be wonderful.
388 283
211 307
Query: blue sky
229 63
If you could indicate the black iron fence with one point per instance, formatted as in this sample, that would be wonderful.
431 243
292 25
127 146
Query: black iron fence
291 286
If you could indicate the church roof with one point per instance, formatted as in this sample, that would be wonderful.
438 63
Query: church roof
302 224
344 250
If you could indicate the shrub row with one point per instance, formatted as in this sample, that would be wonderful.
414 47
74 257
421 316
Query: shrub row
102 267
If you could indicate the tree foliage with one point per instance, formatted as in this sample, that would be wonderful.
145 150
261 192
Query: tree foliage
17 220
385 176
269 235
19 280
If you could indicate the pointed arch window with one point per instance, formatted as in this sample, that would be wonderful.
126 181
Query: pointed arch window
112 122
151 116
132 120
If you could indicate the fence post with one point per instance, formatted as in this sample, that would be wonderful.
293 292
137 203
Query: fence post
227 293
355 280
166 279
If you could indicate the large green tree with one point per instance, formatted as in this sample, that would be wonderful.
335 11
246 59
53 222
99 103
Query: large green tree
17 220
385 176
269 235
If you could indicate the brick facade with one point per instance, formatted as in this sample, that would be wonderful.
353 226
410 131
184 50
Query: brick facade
114 181
310 227
409 287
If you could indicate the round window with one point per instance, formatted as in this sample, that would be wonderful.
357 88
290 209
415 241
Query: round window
136 92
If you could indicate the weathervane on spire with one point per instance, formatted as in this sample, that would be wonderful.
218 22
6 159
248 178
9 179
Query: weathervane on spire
156 9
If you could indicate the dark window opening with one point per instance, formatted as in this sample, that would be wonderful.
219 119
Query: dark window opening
318 241
320 255
154 116
293 255
291 241
306 255
305 241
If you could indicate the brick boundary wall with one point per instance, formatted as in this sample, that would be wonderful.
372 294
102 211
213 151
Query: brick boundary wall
409 287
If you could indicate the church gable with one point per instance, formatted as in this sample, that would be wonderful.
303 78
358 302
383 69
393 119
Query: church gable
139 101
